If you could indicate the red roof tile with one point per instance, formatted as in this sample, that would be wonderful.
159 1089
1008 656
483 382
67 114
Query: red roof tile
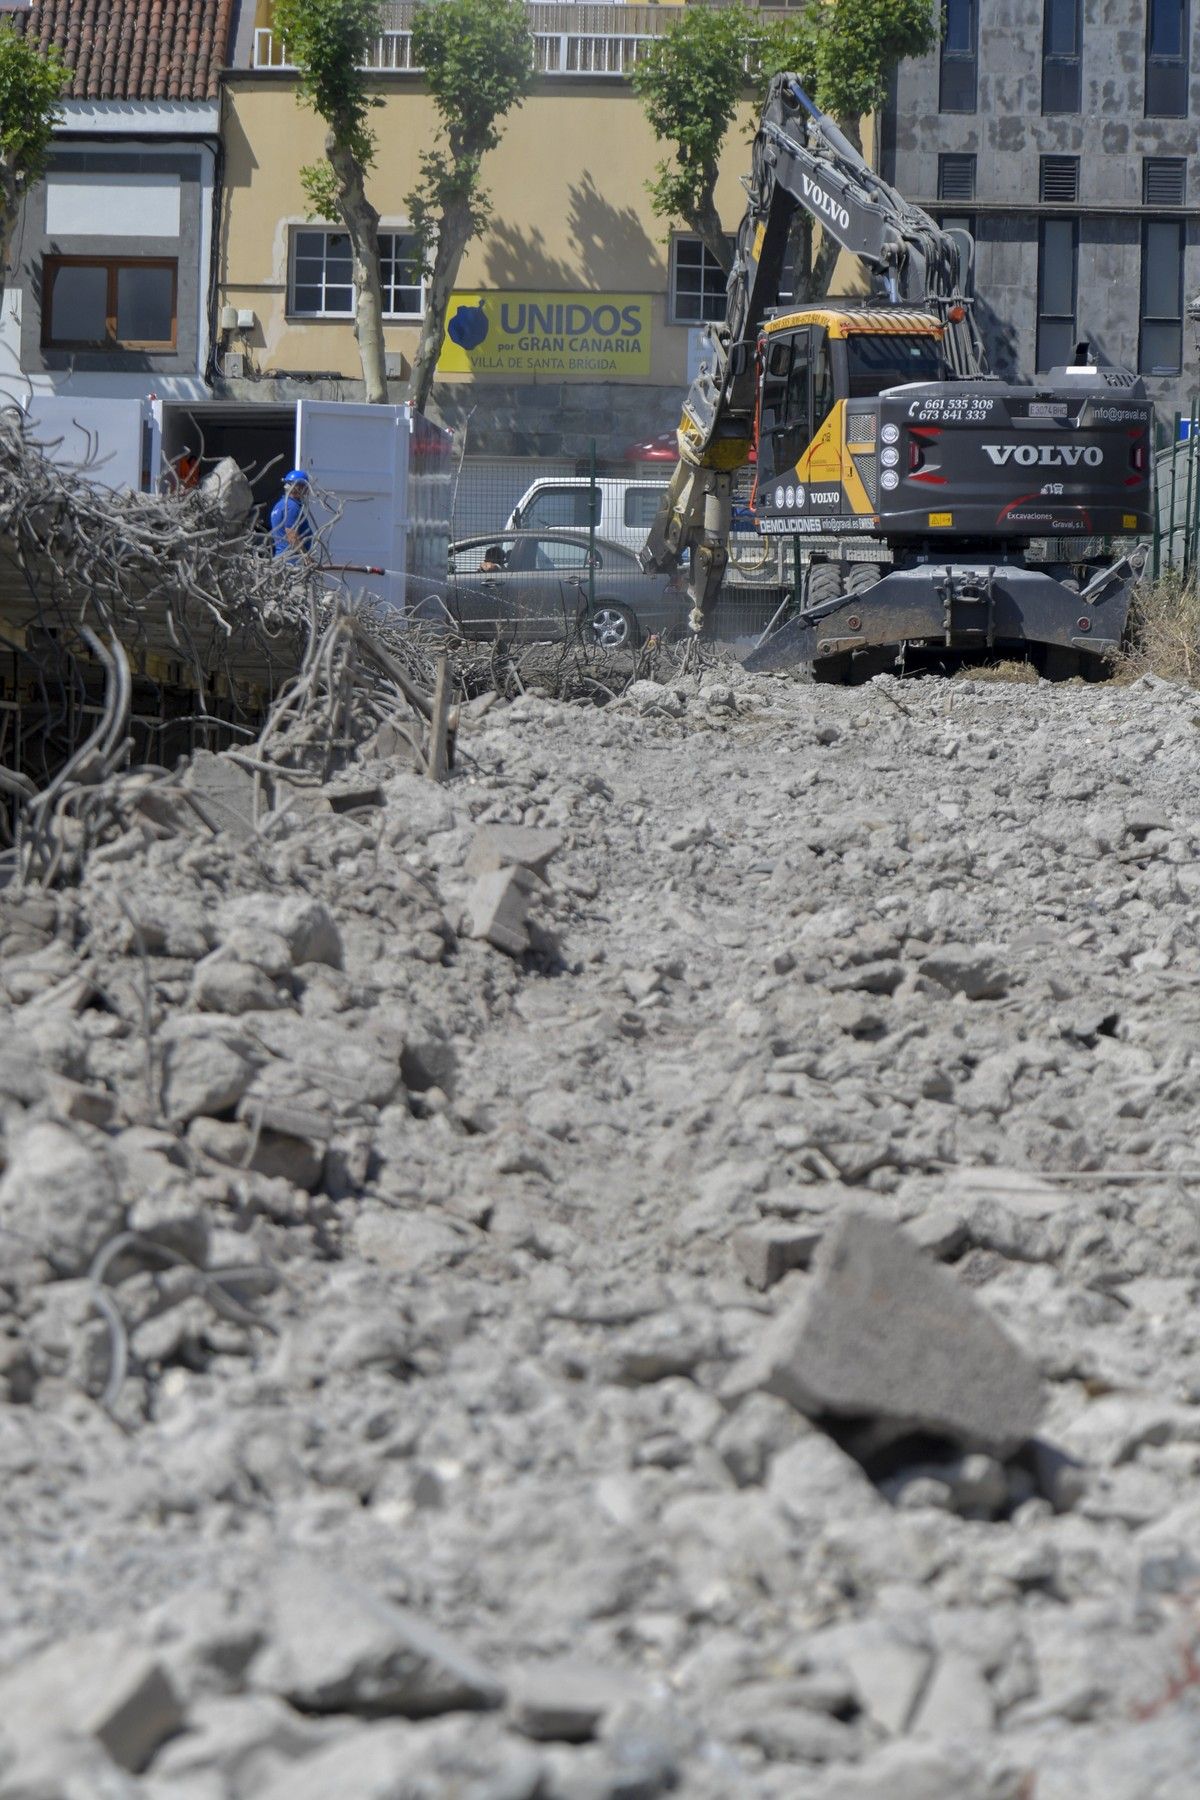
135 49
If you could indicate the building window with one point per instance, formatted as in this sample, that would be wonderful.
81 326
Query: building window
1059 180
958 222
1058 261
697 284
400 273
1062 56
108 303
1160 344
1164 181
960 42
956 177
1167 59
322 276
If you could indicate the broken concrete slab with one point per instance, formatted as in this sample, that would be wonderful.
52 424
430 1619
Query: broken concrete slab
94 1685
976 971
60 1196
566 1701
337 1647
511 846
203 1075
225 793
881 1333
889 1676
497 909
306 925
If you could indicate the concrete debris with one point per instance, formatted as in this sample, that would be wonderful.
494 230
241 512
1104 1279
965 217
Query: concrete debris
60 1197
566 1700
225 793
511 846
336 1648
882 1334
498 908
665 1263
97 1686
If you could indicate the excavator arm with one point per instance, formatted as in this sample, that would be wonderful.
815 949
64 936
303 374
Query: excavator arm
801 159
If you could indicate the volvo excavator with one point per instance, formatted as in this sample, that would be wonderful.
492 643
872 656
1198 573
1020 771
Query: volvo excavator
921 482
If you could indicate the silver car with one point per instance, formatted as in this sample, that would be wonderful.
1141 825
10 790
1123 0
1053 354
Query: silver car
534 585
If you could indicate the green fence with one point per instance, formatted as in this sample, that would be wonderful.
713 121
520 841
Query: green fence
1177 496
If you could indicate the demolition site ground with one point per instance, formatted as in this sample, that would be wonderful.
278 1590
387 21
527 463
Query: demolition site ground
664 1264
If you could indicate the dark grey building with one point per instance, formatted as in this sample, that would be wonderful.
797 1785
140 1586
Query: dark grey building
1064 134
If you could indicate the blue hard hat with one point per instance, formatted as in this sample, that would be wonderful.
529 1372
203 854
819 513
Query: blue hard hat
295 475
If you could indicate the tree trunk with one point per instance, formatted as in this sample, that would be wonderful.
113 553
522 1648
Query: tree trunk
10 206
705 221
453 236
362 223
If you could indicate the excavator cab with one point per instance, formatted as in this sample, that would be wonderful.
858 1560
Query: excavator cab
811 472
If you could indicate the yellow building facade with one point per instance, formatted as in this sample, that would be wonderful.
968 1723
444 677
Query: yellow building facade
577 314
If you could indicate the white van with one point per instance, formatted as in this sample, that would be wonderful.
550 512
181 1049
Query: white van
627 510
560 503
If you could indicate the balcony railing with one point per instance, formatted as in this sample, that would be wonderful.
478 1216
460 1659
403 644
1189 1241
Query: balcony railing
571 37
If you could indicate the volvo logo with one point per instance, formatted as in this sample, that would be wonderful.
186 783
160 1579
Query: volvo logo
825 203
1057 456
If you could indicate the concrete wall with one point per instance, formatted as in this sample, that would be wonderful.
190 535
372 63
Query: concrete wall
1008 134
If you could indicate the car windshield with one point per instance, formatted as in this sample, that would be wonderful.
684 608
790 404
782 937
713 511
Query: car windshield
888 359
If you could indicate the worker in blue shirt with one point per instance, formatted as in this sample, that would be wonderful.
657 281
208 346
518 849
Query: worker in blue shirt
291 527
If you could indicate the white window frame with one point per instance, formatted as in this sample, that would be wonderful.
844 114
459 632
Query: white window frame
690 237
327 231
398 231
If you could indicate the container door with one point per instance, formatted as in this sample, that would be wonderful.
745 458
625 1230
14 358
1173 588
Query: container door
357 461
112 443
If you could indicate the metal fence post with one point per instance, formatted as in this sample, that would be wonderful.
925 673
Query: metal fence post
1155 553
593 511
1186 503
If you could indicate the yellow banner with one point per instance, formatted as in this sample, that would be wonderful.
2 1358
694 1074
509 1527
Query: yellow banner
581 337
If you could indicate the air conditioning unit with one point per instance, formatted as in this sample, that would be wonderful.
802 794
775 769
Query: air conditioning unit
234 366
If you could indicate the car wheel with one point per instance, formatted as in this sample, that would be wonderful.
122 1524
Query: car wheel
614 627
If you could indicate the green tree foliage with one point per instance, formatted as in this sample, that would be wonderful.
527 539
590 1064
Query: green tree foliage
329 41
689 84
478 62
693 77
31 87
855 44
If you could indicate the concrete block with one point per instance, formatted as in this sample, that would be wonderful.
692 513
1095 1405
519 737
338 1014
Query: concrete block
204 1075
767 1252
973 970
888 1675
336 1647
225 792
60 1193
96 1686
503 846
883 1334
566 1701
497 907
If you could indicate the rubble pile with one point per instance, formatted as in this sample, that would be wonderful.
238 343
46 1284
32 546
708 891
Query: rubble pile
666 1264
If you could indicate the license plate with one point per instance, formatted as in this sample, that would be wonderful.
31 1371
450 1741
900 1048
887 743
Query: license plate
1048 409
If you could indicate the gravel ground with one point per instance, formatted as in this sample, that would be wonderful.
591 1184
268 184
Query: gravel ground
736 1339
